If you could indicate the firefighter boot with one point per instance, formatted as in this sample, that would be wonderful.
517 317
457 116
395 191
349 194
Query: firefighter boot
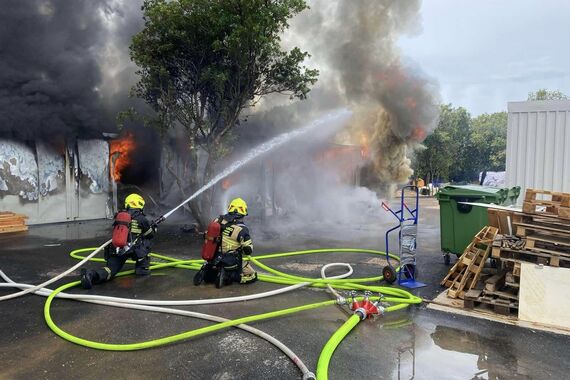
142 266
248 274
248 278
87 277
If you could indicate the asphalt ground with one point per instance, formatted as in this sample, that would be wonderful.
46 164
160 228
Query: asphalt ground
413 343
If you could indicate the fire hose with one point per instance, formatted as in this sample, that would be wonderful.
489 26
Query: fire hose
145 306
400 297
387 295
51 281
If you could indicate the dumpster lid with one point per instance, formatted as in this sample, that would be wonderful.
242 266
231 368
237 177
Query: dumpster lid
473 190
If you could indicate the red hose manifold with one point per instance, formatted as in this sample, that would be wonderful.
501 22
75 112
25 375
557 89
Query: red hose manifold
365 308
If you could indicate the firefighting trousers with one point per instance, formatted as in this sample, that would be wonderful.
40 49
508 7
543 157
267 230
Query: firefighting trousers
115 263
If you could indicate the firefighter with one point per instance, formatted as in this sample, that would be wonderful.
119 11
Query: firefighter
234 246
236 238
140 231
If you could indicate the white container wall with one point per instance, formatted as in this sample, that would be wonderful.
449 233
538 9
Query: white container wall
538 145
56 183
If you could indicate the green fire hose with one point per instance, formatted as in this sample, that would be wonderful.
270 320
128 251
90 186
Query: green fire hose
332 344
397 298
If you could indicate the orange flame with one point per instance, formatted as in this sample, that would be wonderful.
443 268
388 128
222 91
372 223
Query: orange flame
364 145
419 134
227 183
120 154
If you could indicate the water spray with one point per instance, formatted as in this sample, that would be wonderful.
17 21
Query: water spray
337 117
362 306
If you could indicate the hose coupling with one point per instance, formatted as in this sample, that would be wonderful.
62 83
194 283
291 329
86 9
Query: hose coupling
365 308
309 376
381 309
361 313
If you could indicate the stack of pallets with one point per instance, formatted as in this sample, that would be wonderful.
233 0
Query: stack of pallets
542 231
500 292
11 222
465 274
548 203
540 234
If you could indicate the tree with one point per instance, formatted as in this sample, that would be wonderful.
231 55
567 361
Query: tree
489 138
461 147
201 62
446 149
448 152
544 94
432 161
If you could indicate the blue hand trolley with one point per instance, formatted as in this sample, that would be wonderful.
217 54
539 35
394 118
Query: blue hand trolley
407 228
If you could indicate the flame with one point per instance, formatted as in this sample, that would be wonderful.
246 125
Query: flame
364 141
227 183
419 134
120 154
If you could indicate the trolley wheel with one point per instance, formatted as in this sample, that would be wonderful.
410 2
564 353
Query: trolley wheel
409 271
220 278
446 258
199 277
389 274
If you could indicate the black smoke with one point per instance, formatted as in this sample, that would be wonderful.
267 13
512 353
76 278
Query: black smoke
64 68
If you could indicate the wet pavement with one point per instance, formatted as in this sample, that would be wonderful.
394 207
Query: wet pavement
414 343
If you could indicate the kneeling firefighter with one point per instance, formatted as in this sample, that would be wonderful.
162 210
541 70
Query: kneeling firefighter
226 243
132 232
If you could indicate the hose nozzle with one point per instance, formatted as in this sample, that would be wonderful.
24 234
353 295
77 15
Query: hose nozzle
160 219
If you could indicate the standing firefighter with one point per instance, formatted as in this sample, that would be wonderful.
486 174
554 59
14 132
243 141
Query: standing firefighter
132 232
227 242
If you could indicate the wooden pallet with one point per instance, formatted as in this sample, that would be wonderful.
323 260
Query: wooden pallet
544 202
500 305
465 274
530 256
541 220
502 219
12 222
525 229
545 244
495 282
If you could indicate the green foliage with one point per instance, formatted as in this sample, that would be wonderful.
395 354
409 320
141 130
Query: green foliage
440 159
461 147
489 138
201 61
544 94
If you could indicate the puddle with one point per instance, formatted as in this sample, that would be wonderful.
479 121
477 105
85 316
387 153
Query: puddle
451 353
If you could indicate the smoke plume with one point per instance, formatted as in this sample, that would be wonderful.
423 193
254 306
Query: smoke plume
65 68
353 44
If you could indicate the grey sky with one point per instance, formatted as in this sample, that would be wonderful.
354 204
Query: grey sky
487 53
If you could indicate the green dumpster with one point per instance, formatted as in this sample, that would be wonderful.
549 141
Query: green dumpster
460 222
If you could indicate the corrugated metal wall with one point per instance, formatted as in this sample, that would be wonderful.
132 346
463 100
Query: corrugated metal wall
538 145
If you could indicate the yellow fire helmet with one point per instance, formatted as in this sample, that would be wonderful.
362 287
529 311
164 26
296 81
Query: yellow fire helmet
238 206
134 201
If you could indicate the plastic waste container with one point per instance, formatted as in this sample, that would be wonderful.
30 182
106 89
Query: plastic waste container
460 222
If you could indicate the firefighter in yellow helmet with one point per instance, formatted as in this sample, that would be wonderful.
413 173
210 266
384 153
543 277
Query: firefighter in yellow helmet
235 247
235 237
138 232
